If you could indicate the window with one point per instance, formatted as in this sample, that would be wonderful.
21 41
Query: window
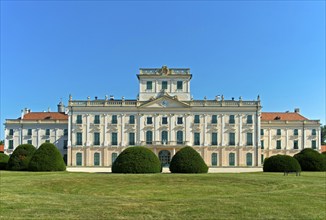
295 144
164 85
149 85
131 138
197 139
96 138
149 120
214 119
164 137
249 159
295 132
214 138
313 144
262 158
47 141
261 131
313 132
249 139
11 144
79 119
164 120
249 119
65 144
96 159
179 85
231 119
197 119
179 121
278 132
65 132
262 144
278 144
96 119
232 139
114 119
149 137
29 132
114 157
131 119
79 159
214 159
79 138
11 132
29 141
114 138
179 137
47 132
231 159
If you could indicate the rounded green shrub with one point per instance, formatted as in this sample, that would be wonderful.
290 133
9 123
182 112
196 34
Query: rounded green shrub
3 161
188 160
136 160
47 158
20 158
311 160
281 163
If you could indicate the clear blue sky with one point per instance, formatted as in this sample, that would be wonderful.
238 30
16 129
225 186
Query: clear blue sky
92 48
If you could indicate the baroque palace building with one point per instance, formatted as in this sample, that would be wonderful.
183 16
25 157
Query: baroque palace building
165 118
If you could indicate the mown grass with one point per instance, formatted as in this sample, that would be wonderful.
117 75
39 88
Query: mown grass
54 195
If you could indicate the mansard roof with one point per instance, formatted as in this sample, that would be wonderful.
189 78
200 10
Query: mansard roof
45 116
282 116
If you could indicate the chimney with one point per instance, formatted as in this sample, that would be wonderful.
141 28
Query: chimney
24 112
297 110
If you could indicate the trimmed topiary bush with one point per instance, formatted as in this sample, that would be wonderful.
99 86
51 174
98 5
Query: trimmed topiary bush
281 163
47 158
3 161
188 160
20 158
311 160
136 160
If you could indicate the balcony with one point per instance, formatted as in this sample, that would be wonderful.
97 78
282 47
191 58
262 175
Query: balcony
161 144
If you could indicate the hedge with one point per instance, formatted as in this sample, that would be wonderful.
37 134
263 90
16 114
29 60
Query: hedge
311 160
3 161
20 158
281 163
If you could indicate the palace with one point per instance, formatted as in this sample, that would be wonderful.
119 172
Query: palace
165 118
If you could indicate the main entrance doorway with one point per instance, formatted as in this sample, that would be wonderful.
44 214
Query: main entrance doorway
164 156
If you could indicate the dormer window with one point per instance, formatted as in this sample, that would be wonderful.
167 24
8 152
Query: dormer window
149 85
179 85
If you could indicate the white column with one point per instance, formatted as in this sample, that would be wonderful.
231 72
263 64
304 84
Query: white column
38 138
55 136
139 126
156 132
318 139
240 130
170 125
254 140
122 143
87 130
287 138
222 130
304 138
69 129
269 138
205 133
20 135
186 134
105 138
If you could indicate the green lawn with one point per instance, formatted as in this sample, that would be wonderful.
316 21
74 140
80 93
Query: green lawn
162 196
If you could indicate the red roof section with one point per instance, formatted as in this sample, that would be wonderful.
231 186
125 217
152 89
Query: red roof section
45 116
282 116
2 148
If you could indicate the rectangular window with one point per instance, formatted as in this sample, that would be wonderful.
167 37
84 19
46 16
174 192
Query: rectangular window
261 131
197 139
164 120
179 137
313 144
65 132
295 132
197 119
278 132
131 138
29 132
179 85
295 144
179 121
149 137
47 132
29 141
149 85
79 138
232 139
114 138
79 119
278 144
262 144
96 138
65 144
214 138
97 119
11 144
149 120
47 141
131 119
249 139
231 119
313 132
11 132
214 119
164 85
249 119
114 119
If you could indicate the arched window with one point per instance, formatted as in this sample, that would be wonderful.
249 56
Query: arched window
149 137
79 159
231 159
164 137
214 159
179 137
249 159
114 157
96 159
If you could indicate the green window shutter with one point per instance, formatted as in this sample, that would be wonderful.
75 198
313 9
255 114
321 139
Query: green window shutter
249 119
249 139
96 138
231 119
149 85
295 144
11 132
114 119
65 132
164 120
131 119
313 132
262 144
249 159
29 132
47 141
79 159
278 132
79 119
262 158
295 132
231 159
11 144
65 144
214 119
214 159
232 139
114 157
164 85
96 159
29 141
179 121
79 138
131 138
197 119
149 120
179 137
261 131
278 144
164 137
97 119
214 138
179 85
47 132
197 139
149 137
114 138
313 144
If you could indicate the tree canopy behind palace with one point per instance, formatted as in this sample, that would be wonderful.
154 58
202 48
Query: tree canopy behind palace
137 160
20 158
188 160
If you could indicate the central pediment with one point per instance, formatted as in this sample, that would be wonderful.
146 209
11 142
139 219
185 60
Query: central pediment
165 101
